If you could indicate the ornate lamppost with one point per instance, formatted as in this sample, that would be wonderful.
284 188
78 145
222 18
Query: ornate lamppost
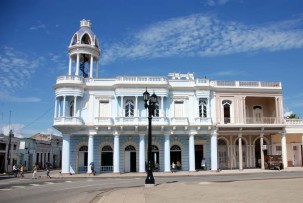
150 104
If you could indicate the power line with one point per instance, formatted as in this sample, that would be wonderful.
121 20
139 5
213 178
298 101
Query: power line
38 118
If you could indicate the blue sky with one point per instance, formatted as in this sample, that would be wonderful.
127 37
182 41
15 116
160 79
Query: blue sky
222 39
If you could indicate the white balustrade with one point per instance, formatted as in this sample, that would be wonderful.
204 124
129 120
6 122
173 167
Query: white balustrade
294 121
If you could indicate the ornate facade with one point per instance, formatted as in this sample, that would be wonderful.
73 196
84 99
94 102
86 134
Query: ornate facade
103 120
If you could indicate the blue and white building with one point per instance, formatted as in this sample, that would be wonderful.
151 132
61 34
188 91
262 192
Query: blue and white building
103 120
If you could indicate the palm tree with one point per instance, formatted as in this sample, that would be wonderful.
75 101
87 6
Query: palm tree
293 116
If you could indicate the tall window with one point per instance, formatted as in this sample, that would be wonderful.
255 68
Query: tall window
226 105
129 108
258 114
104 108
71 108
85 39
179 105
203 107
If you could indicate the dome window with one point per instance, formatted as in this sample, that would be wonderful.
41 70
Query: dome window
85 39
75 39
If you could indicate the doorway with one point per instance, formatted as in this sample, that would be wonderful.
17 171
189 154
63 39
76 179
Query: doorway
130 159
198 156
258 152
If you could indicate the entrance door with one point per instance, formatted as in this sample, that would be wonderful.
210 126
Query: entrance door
222 153
198 156
296 155
130 159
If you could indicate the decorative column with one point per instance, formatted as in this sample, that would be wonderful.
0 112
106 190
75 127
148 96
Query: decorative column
262 152
66 154
121 107
64 105
284 150
244 110
116 154
136 108
142 154
90 157
75 106
77 64
162 107
70 66
191 147
91 66
167 153
240 152
214 150
56 106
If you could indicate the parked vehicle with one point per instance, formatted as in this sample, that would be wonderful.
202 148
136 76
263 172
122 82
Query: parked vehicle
273 162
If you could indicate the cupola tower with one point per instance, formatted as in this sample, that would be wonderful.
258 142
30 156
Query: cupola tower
84 52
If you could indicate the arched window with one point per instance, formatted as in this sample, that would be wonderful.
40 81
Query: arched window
257 114
203 107
107 148
226 106
175 148
71 108
129 108
83 149
85 39
130 148
155 148
96 43
74 40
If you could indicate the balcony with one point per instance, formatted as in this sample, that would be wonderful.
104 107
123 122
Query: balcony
263 120
68 121
103 121
202 121
179 121
294 121
70 79
140 121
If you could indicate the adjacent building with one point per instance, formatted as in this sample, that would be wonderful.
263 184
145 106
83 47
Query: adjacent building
228 124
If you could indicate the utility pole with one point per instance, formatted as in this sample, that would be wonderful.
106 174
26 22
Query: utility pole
11 134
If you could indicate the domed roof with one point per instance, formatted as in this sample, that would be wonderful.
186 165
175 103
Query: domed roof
85 35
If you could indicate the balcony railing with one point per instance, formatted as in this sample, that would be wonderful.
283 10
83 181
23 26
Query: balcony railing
294 121
263 120
253 84
106 169
68 121
140 120
103 120
179 121
200 120
70 79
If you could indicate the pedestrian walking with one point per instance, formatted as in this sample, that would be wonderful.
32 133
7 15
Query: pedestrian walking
92 168
15 170
21 171
48 170
34 172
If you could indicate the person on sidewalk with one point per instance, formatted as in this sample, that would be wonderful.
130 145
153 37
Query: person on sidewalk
21 171
173 167
15 170
92 168
48 170
34 172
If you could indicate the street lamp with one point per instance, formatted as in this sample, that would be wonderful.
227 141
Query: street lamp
151 106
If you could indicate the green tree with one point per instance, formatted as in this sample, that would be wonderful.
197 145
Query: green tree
293 116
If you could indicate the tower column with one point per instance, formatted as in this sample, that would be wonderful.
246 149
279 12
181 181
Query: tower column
77 64
56 106
70 66
64 104
240 152
75 106
91 66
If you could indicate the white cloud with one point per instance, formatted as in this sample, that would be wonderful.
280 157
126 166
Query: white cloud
37 27
215 2
51 131
16 128
228 73
6 97
16 68
203 36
